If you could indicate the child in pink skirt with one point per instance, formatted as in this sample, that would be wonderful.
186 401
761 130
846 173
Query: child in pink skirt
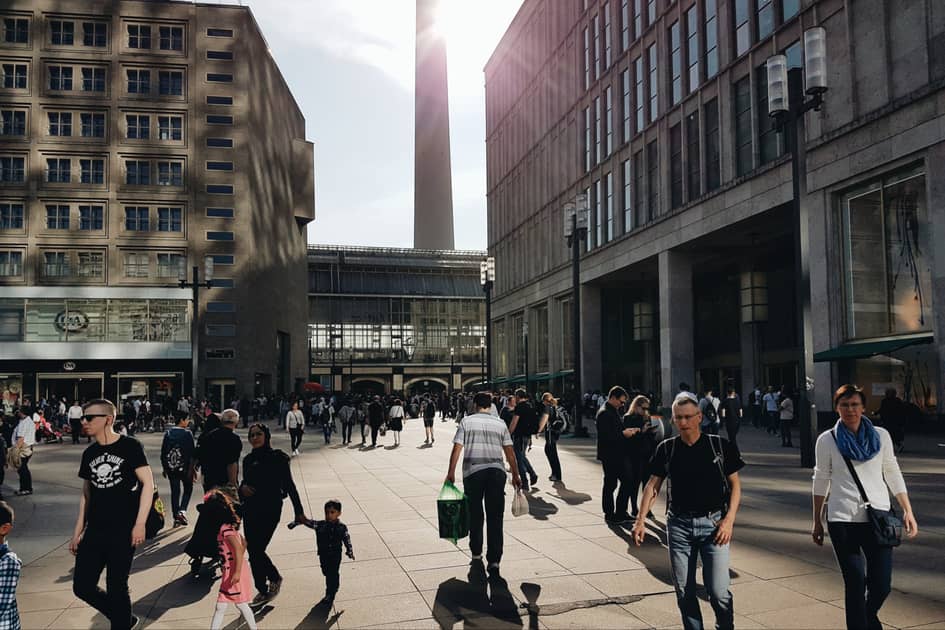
236 585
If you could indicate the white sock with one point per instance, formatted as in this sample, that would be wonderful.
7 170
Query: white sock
217 621
247 615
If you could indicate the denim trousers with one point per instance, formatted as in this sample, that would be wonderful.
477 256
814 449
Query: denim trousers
691 538
867 572
486 488
520 445
180 500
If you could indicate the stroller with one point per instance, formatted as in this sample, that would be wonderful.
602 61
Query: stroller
46 432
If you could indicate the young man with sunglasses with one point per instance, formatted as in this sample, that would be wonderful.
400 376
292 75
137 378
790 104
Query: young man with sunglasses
703 495
116 498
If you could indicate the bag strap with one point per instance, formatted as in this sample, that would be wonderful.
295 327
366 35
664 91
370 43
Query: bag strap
719 459
856 477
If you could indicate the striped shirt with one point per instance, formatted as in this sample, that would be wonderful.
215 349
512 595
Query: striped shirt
482 436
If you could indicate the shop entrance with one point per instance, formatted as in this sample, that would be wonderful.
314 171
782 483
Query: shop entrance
220 393
81 387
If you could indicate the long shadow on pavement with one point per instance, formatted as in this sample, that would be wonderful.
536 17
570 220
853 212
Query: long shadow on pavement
569 496
482 602
180 592
318 617
538 508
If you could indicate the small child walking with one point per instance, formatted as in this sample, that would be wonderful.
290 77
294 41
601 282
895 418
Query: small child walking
236 585
10 566
330 535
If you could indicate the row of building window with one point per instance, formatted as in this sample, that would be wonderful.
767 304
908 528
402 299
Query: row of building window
61 170
91 217
90 265
94 34
59 124
139 82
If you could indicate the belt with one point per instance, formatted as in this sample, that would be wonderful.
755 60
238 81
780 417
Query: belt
701 514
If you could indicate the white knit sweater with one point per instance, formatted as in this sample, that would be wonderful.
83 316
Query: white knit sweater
832 476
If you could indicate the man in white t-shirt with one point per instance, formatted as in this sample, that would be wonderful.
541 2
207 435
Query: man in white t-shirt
75 421
24 438
486 439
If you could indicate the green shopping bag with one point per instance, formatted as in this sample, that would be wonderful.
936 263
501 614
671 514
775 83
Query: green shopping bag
453 513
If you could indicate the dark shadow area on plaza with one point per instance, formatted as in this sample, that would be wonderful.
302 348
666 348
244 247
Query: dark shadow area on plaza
569 496
318 617
484 601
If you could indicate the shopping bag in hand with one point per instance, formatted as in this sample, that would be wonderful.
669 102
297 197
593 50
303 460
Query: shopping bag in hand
519 504
453 513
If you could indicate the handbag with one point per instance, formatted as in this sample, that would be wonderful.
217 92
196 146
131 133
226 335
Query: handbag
519 504
155 520
886 524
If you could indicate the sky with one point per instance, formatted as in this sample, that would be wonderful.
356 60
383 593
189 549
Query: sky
350 66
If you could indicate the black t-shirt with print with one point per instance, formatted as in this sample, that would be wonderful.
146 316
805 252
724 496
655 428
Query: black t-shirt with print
695 481
215 452
114 491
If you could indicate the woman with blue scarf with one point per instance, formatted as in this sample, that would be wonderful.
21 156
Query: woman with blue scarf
870 450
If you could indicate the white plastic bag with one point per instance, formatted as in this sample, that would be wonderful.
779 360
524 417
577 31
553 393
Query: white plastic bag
519 504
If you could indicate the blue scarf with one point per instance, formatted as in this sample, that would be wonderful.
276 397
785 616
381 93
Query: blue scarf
860 446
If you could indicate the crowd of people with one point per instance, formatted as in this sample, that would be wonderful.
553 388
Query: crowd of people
856 470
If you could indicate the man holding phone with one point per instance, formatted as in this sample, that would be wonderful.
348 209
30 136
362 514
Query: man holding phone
703 495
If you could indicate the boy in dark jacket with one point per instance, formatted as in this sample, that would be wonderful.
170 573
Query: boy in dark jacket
330 535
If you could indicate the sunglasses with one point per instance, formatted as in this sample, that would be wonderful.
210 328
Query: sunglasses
92 416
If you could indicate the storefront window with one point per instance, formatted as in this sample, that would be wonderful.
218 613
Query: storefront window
11 388
44 320
888 258
913 372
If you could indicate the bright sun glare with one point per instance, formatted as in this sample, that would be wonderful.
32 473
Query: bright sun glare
472 29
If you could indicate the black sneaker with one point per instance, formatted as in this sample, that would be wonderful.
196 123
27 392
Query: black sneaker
135 622
533 478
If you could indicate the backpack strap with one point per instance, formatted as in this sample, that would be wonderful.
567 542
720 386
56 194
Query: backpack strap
720 464
670 451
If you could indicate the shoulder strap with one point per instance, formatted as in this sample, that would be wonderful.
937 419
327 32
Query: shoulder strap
856 477
719 458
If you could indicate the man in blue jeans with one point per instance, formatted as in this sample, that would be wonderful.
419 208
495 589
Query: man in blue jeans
703 494
485 438
523 426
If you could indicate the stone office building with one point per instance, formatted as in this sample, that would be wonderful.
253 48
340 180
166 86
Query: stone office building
658 112
137 138
387 320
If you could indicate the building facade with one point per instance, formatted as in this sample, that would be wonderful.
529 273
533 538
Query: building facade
395 320
139 139
657 111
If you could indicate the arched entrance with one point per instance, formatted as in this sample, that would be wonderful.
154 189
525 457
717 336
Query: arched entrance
425 385
368 386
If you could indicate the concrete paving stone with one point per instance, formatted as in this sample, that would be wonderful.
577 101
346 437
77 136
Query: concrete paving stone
599 530
418 546
903 610
412 624
768 564
80 618
430 579
403 525
632 582
577 518
661 611
555 590
585 557
826 586
50 600
455 558
760 597
530 568
383 610
38 618
603 617
814 615
932 626
551 536
357 584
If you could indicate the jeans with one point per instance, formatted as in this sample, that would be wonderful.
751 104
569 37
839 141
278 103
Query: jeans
486 487
295 438
785 432
520 445
772 419
180 501
364 428
346 428
331 563
689 537
865 584
616 470
114 555
261 523
26 477
551 452
326 430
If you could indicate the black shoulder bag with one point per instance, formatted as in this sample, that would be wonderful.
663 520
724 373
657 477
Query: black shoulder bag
887 526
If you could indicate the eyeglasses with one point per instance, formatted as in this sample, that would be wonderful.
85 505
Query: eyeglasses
92 416
645 408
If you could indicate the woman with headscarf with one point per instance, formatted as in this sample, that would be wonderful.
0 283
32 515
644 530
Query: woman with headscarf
267 480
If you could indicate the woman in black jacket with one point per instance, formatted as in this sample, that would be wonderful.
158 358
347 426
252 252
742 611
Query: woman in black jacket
639 445
267 480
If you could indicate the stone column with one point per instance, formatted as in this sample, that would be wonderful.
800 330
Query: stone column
677 362
936 191
591 353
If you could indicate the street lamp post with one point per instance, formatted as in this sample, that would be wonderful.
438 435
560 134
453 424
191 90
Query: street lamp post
788 105
575 230
452 355
525 339
487 280
482 360
195 284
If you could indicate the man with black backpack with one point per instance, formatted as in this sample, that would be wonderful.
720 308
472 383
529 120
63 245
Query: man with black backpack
524 425
177 457
703 495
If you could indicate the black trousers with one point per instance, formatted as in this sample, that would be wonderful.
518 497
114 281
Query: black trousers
261 523
615 471
486 488
785 432
180 500
26 477
113 554
76 430
331 563
551 452
346 429
867 573
731 429
636 466
295 436
374 429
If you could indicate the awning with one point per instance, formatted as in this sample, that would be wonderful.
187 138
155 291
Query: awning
865 349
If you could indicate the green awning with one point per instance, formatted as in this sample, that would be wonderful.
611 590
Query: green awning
865 349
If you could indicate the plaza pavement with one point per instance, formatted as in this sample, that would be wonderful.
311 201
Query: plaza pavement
575 570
